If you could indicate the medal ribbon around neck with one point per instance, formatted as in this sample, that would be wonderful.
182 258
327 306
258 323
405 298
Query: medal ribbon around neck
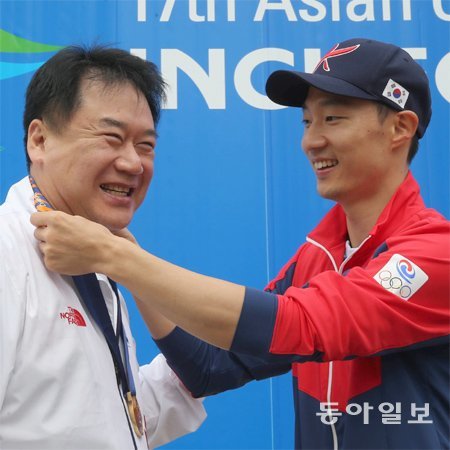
40 202
89 290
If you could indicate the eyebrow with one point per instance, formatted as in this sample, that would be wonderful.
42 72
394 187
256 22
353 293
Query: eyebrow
332 101
110 122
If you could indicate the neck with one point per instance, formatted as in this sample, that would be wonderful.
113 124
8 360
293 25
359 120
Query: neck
46 192
362 216
359 227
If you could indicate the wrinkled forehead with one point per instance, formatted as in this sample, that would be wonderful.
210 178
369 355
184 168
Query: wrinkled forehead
98 84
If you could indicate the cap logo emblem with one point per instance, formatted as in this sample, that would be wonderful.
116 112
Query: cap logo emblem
396 93
333 53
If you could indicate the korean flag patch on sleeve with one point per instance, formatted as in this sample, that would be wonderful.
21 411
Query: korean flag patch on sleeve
401 277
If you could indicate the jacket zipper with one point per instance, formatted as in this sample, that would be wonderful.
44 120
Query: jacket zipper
330 364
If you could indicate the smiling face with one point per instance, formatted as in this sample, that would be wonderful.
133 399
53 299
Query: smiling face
100 163
350 148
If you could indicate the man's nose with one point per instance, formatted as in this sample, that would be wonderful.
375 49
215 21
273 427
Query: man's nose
313 138
129 160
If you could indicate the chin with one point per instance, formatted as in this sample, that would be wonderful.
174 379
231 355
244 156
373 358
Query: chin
325 193
114 224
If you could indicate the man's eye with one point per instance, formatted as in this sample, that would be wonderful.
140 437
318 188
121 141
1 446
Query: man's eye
306 122
332 118
147 146
113 136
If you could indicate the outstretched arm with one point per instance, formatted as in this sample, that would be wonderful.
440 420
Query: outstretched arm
158 325
206 307
318 322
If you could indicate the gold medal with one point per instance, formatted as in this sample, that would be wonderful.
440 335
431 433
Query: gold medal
135 414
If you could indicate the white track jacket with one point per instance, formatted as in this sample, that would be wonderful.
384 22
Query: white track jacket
58 388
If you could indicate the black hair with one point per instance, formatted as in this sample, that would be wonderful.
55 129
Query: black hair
54 91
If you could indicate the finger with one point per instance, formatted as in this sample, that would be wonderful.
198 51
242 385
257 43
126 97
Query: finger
42 249
40 233
126 234
49 262
40 219
42 246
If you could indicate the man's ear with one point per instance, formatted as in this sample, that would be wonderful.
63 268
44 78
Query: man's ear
406 123
37 133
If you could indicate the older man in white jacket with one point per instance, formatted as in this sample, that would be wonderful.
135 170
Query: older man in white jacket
89 120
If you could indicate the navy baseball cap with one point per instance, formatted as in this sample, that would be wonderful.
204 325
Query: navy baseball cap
360 68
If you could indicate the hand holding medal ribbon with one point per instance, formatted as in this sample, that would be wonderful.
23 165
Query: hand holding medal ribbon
89 290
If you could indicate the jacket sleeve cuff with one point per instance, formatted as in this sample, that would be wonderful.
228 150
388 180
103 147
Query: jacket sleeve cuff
256 323
178 346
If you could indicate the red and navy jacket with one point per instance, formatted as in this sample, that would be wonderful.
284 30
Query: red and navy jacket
366 337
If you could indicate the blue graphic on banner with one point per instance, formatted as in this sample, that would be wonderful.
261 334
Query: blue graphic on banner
232 195
9 70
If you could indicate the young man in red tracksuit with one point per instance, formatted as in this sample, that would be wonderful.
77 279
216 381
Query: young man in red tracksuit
360 313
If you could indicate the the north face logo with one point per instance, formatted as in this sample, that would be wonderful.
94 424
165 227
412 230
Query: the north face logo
73 317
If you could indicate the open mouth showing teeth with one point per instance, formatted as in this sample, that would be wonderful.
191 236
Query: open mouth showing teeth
119 191
320 165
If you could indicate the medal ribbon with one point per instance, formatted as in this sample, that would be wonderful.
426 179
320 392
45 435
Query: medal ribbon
89 290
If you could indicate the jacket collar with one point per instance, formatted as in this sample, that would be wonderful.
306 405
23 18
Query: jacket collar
332 234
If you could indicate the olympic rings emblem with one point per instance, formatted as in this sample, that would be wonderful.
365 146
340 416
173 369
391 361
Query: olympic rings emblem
389 281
